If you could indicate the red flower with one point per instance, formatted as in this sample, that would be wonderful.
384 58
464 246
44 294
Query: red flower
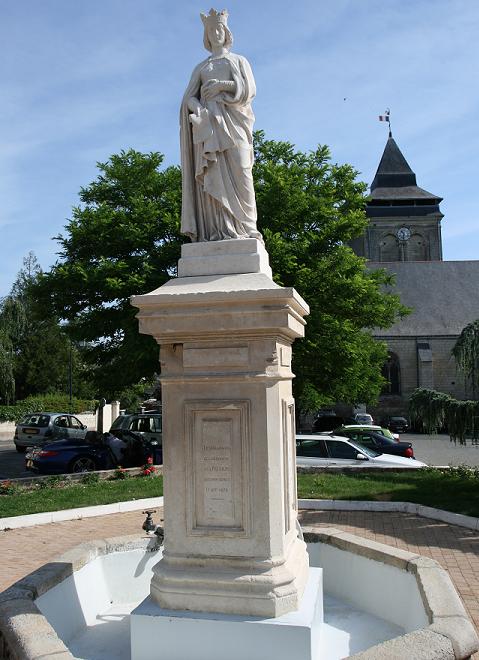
149 460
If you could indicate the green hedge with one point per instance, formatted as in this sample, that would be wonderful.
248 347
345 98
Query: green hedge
45 403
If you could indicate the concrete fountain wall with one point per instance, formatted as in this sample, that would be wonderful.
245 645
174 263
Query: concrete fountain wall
411 591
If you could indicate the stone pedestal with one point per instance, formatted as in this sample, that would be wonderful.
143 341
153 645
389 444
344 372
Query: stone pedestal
184 635
231 540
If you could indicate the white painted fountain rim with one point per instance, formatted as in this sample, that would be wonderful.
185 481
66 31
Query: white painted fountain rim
26 633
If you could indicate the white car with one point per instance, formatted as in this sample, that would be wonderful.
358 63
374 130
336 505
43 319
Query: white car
323 450
363 418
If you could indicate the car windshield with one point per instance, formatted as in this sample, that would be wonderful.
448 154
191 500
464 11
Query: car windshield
386 433
37 420
364 419
401 420
365 450
118 423
385 439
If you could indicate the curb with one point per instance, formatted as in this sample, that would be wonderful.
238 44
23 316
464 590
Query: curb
15 522
402 507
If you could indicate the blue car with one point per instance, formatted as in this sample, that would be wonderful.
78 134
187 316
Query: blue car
91 453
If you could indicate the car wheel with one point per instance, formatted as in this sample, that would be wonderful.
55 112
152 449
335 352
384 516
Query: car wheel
21 450
83 464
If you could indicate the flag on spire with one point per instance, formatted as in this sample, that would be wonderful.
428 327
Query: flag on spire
385 116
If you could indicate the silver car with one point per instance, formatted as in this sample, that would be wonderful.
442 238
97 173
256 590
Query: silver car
37 428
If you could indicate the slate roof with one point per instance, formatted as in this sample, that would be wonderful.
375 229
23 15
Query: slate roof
404 192
395 179
443 294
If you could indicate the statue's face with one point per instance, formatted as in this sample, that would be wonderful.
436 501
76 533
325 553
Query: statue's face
216 35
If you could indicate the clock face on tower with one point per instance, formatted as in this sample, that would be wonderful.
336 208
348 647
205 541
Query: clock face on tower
404 234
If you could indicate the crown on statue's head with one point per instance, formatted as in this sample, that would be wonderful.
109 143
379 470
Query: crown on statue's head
215 17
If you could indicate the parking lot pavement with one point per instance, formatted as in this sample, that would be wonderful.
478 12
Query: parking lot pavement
439 450
12 464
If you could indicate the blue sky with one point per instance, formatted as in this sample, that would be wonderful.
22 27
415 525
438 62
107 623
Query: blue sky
82 79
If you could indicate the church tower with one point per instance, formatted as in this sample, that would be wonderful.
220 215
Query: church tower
404 220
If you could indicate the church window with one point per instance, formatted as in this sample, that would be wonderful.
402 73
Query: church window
388 248
417 248
391 371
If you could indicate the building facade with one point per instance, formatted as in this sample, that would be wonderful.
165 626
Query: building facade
404 236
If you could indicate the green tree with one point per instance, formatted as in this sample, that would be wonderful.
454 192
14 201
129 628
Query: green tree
124 239
309 209
466 354
34 348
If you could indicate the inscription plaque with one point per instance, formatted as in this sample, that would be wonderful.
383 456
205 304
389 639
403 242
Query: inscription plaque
218 467
214 464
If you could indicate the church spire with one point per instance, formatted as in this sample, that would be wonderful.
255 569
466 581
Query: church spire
393 170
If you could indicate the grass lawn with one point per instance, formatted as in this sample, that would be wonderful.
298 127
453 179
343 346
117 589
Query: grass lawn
77 495
431 488
452 492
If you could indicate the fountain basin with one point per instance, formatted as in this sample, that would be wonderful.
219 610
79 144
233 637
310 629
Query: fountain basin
379 602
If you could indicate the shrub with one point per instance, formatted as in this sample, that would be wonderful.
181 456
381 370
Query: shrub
90 478
120 473
8 487
46 402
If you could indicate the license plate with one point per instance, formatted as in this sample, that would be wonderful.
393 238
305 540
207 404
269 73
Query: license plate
31 431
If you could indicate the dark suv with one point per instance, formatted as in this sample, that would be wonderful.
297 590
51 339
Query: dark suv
148 425
397 424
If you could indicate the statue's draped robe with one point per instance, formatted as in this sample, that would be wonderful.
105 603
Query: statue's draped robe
218 199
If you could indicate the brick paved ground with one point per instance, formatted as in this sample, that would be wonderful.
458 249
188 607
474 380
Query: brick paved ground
24 550
455 548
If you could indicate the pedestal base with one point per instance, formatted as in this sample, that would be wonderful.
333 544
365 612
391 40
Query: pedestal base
230 585
246 255
181 635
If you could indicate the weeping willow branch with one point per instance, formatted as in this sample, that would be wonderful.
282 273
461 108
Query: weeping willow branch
466 354
431 411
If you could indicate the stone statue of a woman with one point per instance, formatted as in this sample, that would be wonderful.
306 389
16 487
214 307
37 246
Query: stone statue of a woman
218 199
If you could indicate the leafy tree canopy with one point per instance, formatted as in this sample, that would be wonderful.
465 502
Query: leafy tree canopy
35 351
309 209
124 239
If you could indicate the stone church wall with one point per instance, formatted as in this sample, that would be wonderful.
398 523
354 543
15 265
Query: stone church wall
424 362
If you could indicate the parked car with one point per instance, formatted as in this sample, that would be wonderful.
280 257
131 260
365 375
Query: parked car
397 424
326 423
317 450
37 428
147 424
369 427
91 453
375 439
363 418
